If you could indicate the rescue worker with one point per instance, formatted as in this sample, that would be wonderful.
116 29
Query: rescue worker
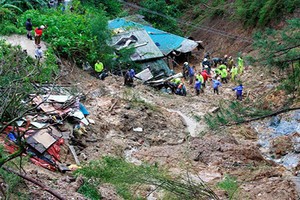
201 79
197 87
234 73
181 89
192 74
239 91
224 75
185 70
216 61
225 60
205 76
206 64
230 63
99 69
128 78
240 65
216 83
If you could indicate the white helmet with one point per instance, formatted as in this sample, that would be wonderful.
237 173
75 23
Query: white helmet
185 63
42 27
205 59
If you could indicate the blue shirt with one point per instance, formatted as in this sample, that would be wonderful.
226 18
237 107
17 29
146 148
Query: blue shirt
216 84
239 89
131 73
191 71
197 85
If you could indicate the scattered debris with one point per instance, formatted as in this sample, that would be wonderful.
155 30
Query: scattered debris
58 115
138 129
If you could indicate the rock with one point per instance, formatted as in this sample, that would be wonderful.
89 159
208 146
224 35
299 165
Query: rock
214 109
281 145
297 148
127 106
275 121
138 129
83 156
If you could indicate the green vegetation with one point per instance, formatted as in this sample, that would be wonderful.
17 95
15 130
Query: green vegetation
127 177
280 50
233 112
89 191
113 8
166 19
73 35
16 85
230 185
261 12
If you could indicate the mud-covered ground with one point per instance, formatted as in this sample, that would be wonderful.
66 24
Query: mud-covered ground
142 124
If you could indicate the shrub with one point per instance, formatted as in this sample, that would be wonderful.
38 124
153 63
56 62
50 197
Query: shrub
261 12
73 35
230 185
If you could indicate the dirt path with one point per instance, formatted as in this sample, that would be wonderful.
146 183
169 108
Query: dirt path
25 43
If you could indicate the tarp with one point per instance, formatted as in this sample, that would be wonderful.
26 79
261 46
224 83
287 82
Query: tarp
165 41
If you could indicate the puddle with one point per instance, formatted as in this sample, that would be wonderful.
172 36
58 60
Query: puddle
191 123
129 158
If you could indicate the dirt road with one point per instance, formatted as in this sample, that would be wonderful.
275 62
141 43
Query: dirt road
24 42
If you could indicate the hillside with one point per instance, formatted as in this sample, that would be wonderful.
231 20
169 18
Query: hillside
144 143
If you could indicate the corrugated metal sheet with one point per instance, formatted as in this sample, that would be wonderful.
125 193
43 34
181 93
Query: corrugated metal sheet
157 66
166 42
145 49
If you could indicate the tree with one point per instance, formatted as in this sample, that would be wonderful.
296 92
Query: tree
281 49
18 72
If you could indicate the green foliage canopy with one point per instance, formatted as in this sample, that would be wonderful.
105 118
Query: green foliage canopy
261 12
281 49
73 35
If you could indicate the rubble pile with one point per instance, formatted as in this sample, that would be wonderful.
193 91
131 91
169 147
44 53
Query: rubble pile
57 123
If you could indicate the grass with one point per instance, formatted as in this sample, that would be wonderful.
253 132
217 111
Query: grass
89 191
127 178
230 185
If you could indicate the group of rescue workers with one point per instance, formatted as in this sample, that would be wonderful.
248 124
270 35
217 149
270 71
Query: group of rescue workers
216 69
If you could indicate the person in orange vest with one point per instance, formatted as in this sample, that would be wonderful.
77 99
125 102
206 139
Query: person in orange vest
38 32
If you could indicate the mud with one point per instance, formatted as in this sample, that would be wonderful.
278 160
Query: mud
145 125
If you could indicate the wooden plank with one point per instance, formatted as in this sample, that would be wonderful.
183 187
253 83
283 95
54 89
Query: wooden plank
74 154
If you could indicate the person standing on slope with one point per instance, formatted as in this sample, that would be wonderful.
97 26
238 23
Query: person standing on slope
197 87
216 84
239 91
240 65
28 26
38 34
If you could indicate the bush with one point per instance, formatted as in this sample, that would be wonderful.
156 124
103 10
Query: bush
126 176
73 35
261 12
8 28
112 7
230 185
165 22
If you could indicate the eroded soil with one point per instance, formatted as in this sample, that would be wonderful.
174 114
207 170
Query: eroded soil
142 124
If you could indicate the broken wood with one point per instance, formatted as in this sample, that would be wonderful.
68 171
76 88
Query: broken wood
74 154
265 116
113 105
41 185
